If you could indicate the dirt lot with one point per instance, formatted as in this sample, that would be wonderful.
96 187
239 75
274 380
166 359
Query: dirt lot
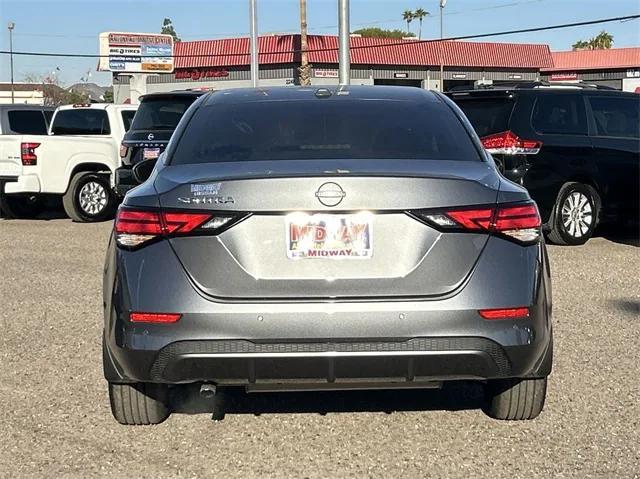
56 420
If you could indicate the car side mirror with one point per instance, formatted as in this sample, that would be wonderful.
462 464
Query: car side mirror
142 171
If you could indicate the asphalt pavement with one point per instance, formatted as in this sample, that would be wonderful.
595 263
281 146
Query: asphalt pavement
55 410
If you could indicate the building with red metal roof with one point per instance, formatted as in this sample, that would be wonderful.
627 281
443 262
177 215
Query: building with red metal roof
616 67
224 63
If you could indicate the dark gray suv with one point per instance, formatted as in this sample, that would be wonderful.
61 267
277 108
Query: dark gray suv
324 239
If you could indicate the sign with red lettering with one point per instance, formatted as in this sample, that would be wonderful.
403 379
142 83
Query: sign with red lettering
329 236
564 76
196 74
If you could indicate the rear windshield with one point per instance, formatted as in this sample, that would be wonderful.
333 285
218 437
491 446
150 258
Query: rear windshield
161 114
127 118
324 129
27 122
488 116
81 121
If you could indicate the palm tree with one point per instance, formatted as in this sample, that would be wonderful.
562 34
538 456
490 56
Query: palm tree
420 14
407 16
601 41
305 74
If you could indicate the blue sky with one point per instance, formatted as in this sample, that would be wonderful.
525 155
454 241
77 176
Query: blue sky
74 25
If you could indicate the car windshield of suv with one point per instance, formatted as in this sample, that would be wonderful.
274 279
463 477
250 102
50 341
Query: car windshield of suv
324 129
488 116
161 113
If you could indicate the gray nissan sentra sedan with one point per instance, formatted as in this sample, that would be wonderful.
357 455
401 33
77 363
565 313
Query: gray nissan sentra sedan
324 239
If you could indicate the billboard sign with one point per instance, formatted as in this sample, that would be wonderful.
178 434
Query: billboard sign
572 76
136 52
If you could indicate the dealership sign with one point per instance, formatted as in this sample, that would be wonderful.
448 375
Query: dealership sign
196 74
136 52
564 76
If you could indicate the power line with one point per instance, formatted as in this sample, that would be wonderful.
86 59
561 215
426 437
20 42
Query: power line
325 27
356 47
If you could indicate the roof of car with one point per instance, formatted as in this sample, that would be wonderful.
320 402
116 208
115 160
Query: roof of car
355 92
537 87
174 94
25 106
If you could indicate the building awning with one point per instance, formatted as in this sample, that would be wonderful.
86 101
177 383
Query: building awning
610 59
364 51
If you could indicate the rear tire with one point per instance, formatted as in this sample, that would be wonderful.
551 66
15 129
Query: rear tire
89 198
139 404
515 399
22 206
575 215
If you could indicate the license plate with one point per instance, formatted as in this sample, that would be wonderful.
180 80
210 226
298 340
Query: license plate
150 153
327 236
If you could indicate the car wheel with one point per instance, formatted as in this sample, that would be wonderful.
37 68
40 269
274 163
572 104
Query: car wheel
139 404
576 215
515 399
89 198
22 206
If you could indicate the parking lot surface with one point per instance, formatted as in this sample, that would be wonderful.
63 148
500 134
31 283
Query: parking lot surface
55 409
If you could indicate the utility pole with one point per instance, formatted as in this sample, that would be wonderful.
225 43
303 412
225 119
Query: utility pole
442 5
344 60
11 26
253 40
305 74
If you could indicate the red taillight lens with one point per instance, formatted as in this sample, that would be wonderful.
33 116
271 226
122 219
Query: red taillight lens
134 227
516 217
28 153
504 313
508 143
154 317
520 221
473 219
123 151
183 222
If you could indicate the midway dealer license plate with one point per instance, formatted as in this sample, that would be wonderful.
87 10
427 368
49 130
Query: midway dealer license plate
329 236
150 153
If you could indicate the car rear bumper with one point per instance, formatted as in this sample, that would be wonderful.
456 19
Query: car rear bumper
327 342
124 180
21 184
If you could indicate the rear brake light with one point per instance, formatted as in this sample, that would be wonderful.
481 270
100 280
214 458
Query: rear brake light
508 143
123 151
28 153
504 313
154 317
135 227
520 222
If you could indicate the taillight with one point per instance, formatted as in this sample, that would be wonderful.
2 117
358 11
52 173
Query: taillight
124 150
504 313
28 153
508 143
520 222
154 317
135 227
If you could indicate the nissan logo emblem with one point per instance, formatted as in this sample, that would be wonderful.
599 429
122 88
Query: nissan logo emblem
330 194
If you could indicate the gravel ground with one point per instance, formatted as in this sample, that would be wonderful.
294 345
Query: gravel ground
56 420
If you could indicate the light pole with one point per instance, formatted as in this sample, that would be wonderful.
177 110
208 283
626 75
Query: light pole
344 59
11 26
253 40
442 5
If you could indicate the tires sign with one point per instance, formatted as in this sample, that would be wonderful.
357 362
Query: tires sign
136 53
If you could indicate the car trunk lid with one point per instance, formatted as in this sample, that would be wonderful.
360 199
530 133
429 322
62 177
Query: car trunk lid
291 208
